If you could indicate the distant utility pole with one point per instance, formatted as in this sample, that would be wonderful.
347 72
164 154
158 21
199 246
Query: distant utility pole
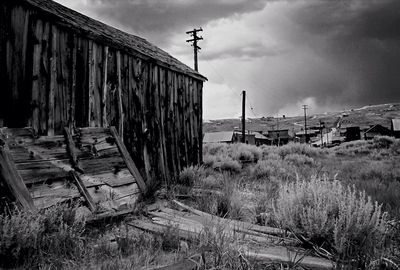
277 130
196 48
305 122
244 117
320 130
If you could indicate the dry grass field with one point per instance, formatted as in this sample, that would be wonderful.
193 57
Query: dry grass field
343 199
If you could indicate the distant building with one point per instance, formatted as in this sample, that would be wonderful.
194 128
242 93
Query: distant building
396 127
261 139
219 137
376 130
311 134
353 134
252 137
249 138
279 137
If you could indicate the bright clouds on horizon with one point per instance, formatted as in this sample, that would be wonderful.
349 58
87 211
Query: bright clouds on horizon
330 55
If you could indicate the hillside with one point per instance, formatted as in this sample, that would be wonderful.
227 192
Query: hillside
362 117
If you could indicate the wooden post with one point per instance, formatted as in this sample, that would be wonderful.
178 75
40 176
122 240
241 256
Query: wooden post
37 29
53 82
10 175
244 117
128 160
73 84
104 96
120 110
92 83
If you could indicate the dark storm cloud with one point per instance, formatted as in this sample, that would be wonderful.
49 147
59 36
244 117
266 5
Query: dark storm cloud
249 51
362 40
159 19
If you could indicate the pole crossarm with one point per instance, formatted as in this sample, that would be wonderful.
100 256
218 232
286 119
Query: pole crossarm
194 33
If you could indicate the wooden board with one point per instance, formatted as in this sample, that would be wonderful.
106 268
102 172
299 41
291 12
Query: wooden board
88 164
45 196
10 175
121 178
256 245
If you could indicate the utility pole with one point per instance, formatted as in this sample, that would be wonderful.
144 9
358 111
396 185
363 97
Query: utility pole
327 138
244 117
320 130
277 130
196 48
305 122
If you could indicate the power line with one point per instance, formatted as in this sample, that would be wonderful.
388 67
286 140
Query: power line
223 79
251 106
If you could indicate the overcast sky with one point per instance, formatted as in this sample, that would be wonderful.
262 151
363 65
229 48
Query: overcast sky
330 55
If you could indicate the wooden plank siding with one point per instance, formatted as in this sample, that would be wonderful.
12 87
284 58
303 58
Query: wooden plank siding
53 77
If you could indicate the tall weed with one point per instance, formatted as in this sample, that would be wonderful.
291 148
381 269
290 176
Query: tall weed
326 212
37 238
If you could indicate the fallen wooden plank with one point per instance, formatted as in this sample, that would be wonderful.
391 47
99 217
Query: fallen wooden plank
226 226
10 175
160 229
240 224
116 179
185 264
43 142
128 160
84 192
288 256
108 215
71 150
126 190
45 196
221 228
35 165
266 254
42 175
97 165
57 188
240 228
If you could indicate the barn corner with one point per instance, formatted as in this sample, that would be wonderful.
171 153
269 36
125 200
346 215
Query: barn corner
78 83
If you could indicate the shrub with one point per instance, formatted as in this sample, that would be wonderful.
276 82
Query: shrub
190 175
327 212
227 164
209 160
224 202
299 160
212 181
272 156
266 168
214 148
301 149
245 152
273 169
34 238
395 149
383 141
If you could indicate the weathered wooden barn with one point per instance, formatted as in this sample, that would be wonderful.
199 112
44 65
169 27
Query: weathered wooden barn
59 68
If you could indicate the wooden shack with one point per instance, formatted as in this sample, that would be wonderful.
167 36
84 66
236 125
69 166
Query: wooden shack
59 68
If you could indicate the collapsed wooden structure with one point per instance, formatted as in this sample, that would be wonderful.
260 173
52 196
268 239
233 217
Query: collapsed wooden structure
59 68
92 166
260 243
